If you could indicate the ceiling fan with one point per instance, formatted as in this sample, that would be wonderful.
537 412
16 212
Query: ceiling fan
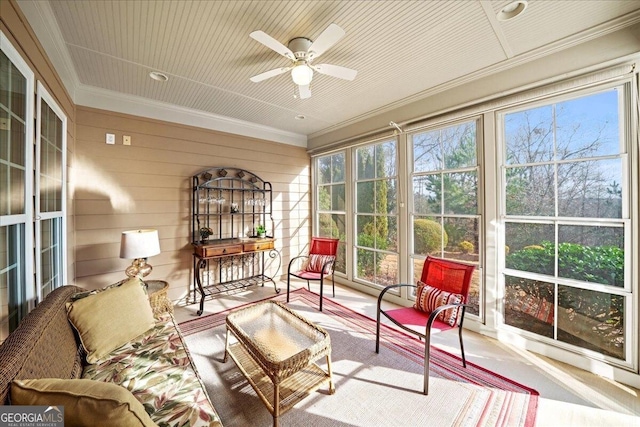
301 52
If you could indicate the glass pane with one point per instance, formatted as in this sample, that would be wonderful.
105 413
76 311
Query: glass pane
18 94
4 135
392 234
460 193
17 144
337 169
462 236
337 197
529 305
591 254
592 320
365 166
590 189
427 191
427 155
50 256
324 197
474 293
325 225
530 191
386 159
324 170
12 274
529 136
459 145
386 196
365 227
366 197
387 270
530 247
17 191
428 236
588 126
5 79
366 264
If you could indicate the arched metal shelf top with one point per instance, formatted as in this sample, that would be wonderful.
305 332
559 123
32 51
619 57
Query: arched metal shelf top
221 178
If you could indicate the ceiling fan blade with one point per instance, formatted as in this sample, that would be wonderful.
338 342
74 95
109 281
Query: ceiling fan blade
268 74
272 44
328 38
335 71
304 91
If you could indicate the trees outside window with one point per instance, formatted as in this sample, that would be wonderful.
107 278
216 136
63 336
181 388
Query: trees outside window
565 221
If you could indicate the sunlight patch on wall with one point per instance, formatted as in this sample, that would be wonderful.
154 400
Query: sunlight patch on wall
86 176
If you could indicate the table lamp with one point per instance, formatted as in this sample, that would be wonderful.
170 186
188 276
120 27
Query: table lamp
139 245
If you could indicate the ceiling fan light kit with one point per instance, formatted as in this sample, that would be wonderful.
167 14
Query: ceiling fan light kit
301 52
302 74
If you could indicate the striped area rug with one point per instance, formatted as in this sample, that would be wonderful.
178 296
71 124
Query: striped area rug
371 389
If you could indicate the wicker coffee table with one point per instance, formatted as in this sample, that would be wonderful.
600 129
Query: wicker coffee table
275 350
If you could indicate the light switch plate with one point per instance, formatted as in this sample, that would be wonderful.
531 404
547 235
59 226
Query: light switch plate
111 138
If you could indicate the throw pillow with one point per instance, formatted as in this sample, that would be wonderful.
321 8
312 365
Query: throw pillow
429 298
316 262
111 318
86 402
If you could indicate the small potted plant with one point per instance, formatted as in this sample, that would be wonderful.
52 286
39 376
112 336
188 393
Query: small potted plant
261 230
205 232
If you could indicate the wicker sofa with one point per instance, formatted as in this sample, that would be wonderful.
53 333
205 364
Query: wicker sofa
155 368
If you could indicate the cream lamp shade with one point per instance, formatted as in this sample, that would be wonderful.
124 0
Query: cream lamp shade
139 245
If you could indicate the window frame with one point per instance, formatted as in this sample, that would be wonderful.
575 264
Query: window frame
626 101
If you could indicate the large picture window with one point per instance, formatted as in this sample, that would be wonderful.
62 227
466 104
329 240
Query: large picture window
330 191
376 217
566 221
445 217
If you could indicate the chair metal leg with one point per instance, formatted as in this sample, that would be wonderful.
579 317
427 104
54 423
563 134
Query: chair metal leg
288 286
464 361
427 357
333 285
308 286
378 330
321 286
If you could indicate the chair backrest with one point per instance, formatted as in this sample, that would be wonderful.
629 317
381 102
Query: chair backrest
323 246
447 275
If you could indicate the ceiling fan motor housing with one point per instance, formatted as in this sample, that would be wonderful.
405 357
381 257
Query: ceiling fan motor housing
299 46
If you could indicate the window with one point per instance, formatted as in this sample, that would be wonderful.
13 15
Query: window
50 188
445 220
567 221
29 208
330 191
376 218
16 164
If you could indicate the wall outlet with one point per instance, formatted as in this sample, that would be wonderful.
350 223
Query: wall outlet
111 138
5 124
126 140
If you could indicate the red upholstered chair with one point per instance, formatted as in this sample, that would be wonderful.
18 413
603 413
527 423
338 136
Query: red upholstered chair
319 264
440 305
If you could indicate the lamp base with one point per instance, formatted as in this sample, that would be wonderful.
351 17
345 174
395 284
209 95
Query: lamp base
138 267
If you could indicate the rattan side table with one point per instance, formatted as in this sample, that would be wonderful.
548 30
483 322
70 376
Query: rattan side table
157 291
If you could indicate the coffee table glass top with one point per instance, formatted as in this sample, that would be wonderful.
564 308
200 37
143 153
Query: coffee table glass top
277 332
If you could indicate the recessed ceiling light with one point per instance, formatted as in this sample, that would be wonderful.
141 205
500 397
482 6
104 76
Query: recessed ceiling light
158 76
512 10
300 117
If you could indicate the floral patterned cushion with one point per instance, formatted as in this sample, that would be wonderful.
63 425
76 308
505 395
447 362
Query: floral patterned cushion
157 369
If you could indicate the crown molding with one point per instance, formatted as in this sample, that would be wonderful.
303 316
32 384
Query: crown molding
104 99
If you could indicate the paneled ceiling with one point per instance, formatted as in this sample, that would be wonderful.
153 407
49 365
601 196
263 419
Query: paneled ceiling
401 50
